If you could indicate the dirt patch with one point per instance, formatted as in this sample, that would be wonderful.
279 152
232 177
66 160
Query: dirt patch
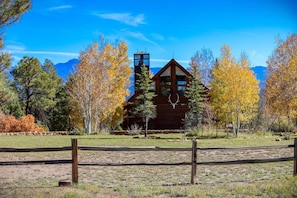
112 177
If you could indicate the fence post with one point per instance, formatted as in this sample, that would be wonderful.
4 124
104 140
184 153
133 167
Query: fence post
295 157
74 161
194 161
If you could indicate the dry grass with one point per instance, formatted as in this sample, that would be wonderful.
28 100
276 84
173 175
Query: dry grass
262 180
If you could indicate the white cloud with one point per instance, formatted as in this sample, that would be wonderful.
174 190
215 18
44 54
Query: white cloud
60 7
13 47
71 54
126 18
19 48
157 36
139 36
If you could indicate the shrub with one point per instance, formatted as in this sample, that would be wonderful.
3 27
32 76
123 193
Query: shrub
9 123
282 124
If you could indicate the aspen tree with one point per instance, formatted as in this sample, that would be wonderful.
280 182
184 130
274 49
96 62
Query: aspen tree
98 87
281 83
235 90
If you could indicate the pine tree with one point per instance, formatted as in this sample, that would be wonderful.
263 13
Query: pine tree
144 106
8 96
196 94
55 116
10 12
36 86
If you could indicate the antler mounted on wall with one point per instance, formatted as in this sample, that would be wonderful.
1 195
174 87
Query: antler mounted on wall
175 103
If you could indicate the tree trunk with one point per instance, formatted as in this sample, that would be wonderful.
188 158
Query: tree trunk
146 126
237 124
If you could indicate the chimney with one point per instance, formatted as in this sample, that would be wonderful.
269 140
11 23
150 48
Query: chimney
140 58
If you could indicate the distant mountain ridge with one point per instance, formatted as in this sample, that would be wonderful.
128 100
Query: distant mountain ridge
64 69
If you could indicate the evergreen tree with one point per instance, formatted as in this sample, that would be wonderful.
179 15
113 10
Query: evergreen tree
59 114
9 103
196 94
53 86
10 12
36 86
144 106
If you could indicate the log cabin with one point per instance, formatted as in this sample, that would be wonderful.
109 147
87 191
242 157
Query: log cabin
169 85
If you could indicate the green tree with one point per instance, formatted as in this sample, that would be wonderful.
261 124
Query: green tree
197 97
36 86
26 75
281 84
52 88
8 97
235 90
10 12
59 114
144 106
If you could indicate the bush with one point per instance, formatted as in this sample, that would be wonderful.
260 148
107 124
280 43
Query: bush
9 123
77 131
282 124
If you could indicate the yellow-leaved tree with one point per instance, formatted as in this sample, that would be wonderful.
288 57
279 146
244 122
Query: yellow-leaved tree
281 83
235 90
99 84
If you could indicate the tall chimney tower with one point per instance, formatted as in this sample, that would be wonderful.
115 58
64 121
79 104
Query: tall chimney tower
140 58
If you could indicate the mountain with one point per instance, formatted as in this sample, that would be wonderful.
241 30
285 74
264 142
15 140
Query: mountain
64 69
261 75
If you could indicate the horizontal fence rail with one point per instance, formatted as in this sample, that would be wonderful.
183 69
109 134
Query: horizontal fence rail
25 150
36 162
74 161
249 161
146 148
136 164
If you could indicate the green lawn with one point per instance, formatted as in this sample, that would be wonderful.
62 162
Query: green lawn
171 140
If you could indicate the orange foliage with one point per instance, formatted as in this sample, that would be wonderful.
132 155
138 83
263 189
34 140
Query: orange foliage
9 123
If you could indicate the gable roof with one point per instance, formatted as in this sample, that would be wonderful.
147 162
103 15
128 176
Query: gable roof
171 62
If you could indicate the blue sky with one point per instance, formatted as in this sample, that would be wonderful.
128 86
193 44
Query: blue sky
60 29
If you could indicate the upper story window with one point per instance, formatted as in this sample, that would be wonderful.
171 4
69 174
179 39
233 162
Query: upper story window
173 80
165 83
153 87
181 82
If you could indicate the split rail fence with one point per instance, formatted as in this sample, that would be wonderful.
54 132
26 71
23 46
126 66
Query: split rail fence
193 163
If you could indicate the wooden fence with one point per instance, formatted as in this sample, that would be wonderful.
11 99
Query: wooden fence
193 163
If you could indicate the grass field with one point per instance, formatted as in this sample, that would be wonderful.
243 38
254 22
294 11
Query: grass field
252 180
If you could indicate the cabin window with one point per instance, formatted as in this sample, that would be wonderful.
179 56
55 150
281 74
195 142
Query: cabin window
181 84
153 87
165 83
